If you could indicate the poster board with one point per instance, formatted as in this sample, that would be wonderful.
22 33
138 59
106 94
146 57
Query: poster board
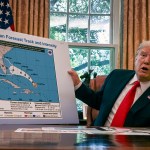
35 86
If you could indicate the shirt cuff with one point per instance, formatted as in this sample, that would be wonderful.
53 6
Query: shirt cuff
77 86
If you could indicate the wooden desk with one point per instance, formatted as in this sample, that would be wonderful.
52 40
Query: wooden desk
50 141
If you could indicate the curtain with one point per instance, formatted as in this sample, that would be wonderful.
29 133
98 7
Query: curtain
136 28
31 16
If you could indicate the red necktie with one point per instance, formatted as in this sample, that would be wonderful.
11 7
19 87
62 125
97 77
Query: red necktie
120 116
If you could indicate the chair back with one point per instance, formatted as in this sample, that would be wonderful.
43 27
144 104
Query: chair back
95 84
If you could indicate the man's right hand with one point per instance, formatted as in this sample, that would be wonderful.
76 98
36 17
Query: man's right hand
74 76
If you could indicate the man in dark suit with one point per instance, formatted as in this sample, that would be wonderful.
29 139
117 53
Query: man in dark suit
115 87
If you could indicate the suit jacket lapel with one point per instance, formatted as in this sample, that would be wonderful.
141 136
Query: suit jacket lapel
122 83
142 101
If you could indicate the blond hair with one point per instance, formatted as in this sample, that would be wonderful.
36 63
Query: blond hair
142 45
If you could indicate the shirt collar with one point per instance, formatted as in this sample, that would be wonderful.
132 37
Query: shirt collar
133 79
144 85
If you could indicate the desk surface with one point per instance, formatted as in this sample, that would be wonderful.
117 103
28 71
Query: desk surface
64 141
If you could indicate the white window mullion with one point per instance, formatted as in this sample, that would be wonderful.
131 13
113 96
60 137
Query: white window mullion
111 22
88 38
116 21
67 24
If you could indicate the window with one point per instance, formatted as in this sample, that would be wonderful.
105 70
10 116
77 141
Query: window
81 21
92 59
91 28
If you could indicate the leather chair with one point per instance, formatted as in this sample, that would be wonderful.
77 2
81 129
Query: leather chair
92 113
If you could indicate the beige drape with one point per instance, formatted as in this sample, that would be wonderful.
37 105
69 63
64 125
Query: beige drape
31 16
136 28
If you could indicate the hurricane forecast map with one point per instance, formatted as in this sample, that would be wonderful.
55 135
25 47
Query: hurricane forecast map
27 75
35 87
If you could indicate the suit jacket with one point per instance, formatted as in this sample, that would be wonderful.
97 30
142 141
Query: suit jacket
103 100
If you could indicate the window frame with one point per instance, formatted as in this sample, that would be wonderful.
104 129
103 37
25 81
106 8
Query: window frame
114 30
114 39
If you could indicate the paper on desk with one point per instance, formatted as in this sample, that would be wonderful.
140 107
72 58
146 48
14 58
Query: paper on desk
80 129
55 130
97 130
119 131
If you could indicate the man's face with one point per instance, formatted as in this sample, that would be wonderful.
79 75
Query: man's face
142 64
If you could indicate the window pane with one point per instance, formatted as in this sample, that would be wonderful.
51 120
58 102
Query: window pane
100 29
78 26
100 6
58 26
102 60
58 5
79 59
78 6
